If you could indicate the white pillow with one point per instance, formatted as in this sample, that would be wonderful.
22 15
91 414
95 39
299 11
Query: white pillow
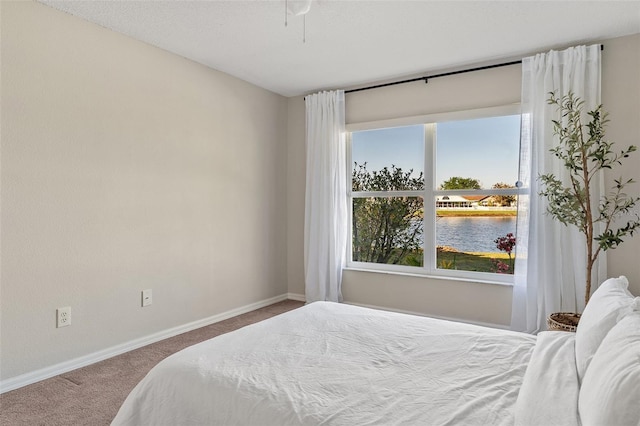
610 392
599 316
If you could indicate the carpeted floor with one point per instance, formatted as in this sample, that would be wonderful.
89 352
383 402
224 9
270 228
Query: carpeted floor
92 395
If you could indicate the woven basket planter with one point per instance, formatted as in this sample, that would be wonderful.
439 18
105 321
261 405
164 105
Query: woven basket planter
563 321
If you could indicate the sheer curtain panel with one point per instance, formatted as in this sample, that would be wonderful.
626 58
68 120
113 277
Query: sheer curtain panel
551 261
325 225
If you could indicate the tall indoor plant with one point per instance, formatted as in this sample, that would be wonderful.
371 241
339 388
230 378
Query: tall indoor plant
584 152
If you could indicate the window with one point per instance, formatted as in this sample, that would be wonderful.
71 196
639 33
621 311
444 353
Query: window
436 196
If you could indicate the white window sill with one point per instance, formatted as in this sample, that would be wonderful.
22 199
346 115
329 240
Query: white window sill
428 276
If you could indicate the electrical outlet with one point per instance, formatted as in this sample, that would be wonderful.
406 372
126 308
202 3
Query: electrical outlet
147 297
63 316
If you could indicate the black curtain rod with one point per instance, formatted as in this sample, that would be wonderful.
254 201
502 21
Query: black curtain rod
427 77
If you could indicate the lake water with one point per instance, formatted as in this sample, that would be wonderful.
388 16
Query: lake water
475 234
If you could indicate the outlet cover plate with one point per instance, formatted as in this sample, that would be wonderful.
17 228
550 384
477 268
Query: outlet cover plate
63 316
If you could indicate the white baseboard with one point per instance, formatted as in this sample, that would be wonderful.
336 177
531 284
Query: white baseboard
297 297
401 311
64 367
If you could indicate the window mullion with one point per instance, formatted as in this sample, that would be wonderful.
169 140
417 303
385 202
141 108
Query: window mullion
367 194
429 216
493 191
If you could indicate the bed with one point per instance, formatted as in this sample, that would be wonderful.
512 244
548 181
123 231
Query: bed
337 364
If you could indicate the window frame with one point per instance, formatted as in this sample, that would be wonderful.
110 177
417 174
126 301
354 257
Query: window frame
430 121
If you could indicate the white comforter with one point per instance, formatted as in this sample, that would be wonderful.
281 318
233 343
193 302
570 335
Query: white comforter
336 364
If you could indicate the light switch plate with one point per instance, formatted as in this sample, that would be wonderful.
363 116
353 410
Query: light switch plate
147 297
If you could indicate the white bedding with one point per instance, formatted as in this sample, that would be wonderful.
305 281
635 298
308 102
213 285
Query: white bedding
336 364
550 390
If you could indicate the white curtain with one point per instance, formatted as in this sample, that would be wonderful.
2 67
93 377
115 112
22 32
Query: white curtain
551 257
325 225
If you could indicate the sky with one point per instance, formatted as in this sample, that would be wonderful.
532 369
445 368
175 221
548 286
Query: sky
485 149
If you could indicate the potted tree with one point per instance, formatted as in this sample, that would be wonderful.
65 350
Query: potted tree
584 152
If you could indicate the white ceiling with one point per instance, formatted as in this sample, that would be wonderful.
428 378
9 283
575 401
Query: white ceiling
351 43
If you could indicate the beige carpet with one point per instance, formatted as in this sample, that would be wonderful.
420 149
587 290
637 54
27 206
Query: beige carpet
92 395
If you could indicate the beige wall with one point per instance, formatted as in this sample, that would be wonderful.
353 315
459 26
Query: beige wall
494 87
621 97
124 168
296 169
483 303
